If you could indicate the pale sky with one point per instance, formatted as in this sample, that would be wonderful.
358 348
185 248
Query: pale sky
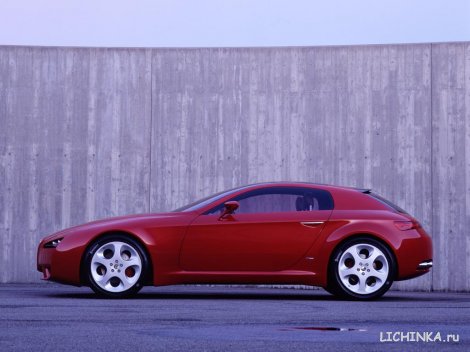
230 23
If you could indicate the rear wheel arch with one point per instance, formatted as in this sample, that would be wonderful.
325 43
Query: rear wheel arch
363 235
333 286
149 274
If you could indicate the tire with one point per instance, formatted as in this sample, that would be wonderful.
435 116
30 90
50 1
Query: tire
361 269
116 266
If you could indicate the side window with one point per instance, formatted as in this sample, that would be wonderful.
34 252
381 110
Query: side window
267 203
281 199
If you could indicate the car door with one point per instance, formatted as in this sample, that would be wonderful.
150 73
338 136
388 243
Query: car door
272 230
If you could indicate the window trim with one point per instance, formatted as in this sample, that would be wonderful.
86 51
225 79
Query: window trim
273 190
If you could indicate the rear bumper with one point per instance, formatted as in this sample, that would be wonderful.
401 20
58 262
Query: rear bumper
414 255
427 264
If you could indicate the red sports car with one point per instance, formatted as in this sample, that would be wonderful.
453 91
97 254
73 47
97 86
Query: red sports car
349 241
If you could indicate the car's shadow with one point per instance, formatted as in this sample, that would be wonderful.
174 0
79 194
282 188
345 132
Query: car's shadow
238 294
206 296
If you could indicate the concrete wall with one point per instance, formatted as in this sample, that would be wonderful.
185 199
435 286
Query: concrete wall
90 133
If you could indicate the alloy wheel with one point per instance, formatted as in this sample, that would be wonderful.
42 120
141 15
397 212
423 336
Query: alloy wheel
363 268
116 266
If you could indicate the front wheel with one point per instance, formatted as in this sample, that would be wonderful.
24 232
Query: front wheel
362 268
116 266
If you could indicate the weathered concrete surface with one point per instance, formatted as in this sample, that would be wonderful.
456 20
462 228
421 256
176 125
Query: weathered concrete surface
91 133
451 165
74 143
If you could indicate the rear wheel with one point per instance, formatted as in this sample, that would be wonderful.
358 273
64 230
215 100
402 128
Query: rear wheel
116 266
362 268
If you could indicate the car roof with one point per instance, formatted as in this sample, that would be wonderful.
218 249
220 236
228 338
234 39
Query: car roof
301 184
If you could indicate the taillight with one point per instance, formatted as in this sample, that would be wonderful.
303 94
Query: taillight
405 225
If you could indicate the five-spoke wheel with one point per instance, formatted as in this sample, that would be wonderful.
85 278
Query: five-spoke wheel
116 266
362 268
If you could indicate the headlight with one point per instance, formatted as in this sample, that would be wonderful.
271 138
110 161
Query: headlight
53 243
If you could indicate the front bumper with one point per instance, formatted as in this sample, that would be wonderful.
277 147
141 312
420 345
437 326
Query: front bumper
46 272
60 264
44 260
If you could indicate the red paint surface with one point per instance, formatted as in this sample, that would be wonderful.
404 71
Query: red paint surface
263 248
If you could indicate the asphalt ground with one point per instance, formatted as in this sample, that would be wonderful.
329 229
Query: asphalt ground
49 317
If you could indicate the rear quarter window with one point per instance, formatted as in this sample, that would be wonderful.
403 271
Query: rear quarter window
387 202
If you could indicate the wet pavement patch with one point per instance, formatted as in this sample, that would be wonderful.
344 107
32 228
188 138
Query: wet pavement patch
324 328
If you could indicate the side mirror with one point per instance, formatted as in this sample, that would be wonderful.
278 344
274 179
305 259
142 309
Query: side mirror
229 208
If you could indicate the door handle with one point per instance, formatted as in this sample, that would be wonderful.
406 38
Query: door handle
312 223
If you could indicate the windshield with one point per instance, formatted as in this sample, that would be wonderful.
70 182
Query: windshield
203 202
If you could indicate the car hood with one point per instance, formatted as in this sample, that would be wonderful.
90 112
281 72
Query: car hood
117 222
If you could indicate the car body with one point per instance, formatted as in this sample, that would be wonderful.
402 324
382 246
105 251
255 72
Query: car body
268 233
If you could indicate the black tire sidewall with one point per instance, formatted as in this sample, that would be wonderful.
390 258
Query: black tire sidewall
112 238
337 285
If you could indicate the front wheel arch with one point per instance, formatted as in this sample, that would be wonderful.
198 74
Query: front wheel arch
149 275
